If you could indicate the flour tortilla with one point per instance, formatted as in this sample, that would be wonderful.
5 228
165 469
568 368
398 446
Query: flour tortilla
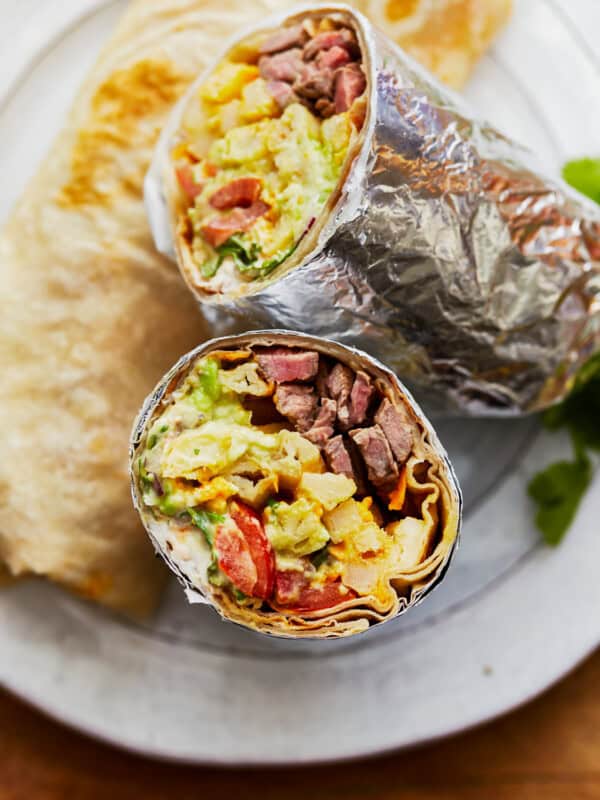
91 316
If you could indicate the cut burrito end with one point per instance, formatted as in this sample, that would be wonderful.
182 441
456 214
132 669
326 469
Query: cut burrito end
291 483
262 148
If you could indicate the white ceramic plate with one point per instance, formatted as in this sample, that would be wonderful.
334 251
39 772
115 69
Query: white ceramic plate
511 617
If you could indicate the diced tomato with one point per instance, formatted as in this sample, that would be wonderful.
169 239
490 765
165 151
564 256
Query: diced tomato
293 591
239 192
185 176
235 560
261 551
217 230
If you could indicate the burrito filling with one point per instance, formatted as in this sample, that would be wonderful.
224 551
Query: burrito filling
280 475
263 147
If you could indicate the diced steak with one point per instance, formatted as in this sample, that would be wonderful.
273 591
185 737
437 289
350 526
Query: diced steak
325 108
239 192
360 398
338 458
322 427
284 39
358 465
282 93
284 365
397 428
328 39
334 58
321 379
314 83
339 384
282 66
377 454
217 230
350 83
341 459
297 403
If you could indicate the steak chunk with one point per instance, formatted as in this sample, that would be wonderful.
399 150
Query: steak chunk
329 39
284 39
282 66
283 365
282 93
314 83
341 458
350 83
322 428
339 386
352 393
334 58
397 428
338 458
297 403
360 398
377 454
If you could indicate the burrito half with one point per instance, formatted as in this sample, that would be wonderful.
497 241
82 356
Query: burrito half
293 484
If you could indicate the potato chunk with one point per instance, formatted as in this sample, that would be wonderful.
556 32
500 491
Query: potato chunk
327 488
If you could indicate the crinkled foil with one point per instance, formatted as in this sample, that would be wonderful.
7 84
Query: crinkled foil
447 255
349 355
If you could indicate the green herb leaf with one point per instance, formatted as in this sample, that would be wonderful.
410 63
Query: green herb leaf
146 479
215 576
239 596
584 175
152 440
320 557
580 412
268 266
559 488
558 491
206 521
208 388
244 255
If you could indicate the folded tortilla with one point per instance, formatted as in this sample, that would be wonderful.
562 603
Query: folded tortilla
293 484
78 269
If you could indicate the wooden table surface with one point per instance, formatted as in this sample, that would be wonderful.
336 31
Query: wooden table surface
549 749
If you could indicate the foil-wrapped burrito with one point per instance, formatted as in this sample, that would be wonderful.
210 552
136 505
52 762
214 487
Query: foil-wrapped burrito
317 178
293 484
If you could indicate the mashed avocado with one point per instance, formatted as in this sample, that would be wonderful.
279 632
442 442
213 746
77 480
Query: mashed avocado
295 528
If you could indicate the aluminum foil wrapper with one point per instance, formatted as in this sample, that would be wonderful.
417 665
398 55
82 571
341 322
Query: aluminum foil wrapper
448 254
355 359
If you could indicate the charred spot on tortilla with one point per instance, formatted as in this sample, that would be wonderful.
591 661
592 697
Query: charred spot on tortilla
120 118
290 487
263 146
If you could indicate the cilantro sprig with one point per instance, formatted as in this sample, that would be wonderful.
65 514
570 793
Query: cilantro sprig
244 255
206 521
559 489
584 175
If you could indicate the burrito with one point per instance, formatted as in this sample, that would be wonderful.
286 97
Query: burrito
293 484
316 178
